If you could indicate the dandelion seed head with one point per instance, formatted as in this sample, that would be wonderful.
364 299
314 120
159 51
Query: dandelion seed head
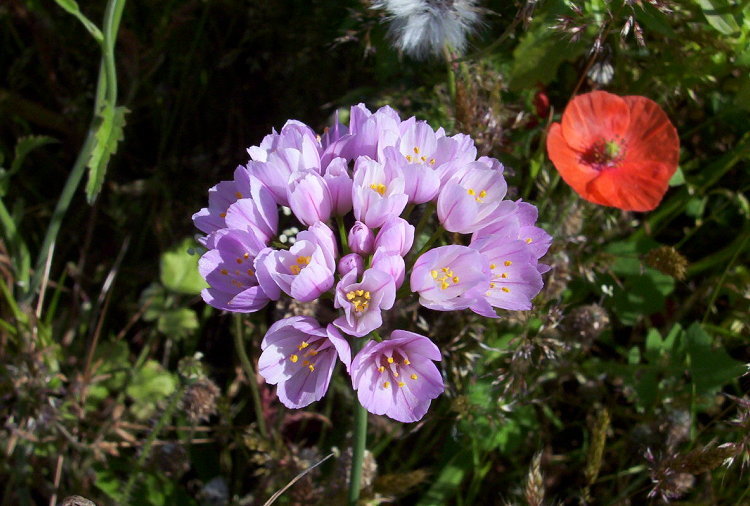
422 28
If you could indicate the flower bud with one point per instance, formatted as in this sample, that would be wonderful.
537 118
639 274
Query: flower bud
361 239
396 236
349 262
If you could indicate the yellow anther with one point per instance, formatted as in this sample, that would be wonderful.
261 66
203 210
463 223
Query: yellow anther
381 368
294 269
528 240
492 285
303 345
387 384
378 187
350 295
395 374
492 266
224 272
246 256
504 275
444 285
359 293
312 353
434 274
303 260
423 158
432 161
409 158
416 150
455 279
507 263
293 358
482 194
311 367
390 360
471 192
238 195
413 376
305 362
367 295
250 272
239 260
222 215
406 361
401 384
505 289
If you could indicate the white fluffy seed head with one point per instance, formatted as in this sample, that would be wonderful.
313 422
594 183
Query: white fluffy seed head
422 28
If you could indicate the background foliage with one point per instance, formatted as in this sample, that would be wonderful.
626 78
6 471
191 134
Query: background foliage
623 386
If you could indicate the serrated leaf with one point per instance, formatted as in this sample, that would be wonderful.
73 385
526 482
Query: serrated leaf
110 122
72 7
150 384
178 269
719 15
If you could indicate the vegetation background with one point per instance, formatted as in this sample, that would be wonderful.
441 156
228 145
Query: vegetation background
117 383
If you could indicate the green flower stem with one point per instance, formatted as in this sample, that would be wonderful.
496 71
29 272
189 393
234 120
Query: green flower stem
343 235
247 367
358 443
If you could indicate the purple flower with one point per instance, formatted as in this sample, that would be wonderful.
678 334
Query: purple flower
362 301
450 277
220 197
397 377
309 197
350 262
378 192
229 270
299 356
392 263
339 185
258 214
280 155
470 201
370 133
304 271
361 239
396 236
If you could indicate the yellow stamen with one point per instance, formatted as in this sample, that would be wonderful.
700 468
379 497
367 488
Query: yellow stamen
294 358
250 272
239 260
471 192
303 345
528 240
507 263
378 187
311 367
434 274
224 272
492 266
246 256
238 195
390 360
505 289
409 158
406 361
381 368
401 383
504 275
416 150
294 269
222 215
413 376
387 384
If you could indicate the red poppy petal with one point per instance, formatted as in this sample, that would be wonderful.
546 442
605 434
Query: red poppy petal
567 161
650 135
630 187
593 117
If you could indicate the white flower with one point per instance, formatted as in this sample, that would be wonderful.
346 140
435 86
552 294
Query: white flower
422 28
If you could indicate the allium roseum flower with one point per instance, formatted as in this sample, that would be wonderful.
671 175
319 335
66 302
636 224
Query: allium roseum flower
363 301
359 180
615 151
299 356
397 377
422 28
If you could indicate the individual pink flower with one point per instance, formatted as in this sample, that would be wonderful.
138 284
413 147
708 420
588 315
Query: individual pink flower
339 186
378 192
299 356
391 263
309 197
396 236
450 278
397 377
349 262
257 214
470 201
220 197
229 270
362 301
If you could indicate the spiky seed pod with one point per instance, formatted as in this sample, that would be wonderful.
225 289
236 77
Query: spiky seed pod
667 260
534 491
585 324
199 401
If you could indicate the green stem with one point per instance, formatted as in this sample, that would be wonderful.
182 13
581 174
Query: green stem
343 235
451 73
247 366
358 443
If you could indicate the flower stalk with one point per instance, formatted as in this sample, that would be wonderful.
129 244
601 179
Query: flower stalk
359 440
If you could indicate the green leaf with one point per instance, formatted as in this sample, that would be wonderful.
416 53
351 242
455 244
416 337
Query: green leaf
72 7
711 368
678 178
718 14
179 269
110 122
538 56
178 323
149 385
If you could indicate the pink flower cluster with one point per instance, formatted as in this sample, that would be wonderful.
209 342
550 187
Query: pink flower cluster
366 176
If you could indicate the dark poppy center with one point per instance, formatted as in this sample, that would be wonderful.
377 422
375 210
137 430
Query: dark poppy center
604 154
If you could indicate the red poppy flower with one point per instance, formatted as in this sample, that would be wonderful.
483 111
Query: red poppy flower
615 151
